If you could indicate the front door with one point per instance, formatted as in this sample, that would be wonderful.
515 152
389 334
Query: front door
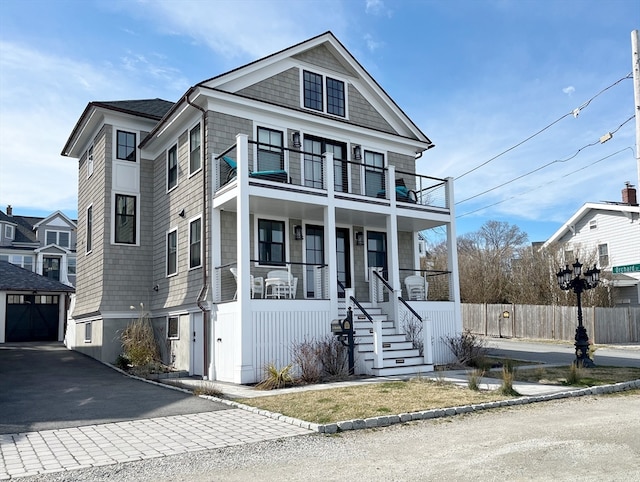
344 260
377 251
314 246
197 345
51 268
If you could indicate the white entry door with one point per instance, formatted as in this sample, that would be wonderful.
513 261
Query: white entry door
197 345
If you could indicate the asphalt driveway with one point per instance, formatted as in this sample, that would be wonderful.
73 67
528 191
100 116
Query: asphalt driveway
46 386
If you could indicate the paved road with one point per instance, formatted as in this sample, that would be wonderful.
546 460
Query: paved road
562 353
46 386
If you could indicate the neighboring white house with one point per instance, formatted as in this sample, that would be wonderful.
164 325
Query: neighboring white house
250 214
611 232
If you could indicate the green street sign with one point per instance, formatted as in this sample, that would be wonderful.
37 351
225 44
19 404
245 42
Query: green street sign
629 268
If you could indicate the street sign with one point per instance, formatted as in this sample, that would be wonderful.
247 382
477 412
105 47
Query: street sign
629 268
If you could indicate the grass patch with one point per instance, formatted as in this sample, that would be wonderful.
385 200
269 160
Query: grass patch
584 377
370 400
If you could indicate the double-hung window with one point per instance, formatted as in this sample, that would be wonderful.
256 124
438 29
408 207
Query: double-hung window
194 149
89 229
271 248
172 167
195 243
373 173
125 219
172 252
71 266
314 94
173 327
603 255
126 146
270 150
377 250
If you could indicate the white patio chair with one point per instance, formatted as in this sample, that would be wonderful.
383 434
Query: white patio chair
280 284
257 284
416 287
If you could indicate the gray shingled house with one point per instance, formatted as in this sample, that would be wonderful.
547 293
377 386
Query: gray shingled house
255 210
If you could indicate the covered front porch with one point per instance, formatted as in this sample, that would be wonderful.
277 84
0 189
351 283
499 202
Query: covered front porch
265 226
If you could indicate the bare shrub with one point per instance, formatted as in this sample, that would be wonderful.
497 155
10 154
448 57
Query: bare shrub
139 343
468 348
333 357
412 328
306 358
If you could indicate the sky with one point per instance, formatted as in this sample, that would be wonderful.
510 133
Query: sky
515 94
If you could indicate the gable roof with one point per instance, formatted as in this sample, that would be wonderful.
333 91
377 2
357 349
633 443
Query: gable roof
15 278
52 216
152 109
586 210
231 82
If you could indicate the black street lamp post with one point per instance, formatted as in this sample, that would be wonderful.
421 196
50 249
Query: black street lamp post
572 280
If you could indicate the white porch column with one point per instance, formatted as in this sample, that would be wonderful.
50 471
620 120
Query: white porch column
452 257
330 237
244 369
392 247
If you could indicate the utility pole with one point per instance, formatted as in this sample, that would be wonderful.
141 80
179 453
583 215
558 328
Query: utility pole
635 46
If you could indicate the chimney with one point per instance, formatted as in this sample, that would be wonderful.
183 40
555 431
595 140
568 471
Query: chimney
9 210
629 195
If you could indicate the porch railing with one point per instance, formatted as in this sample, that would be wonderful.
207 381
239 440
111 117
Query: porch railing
280 165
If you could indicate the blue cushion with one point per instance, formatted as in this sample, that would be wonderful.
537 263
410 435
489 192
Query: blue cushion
232 164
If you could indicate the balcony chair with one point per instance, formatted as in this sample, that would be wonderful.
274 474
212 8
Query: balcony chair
280 284
402 193
257 284
417 288
279 175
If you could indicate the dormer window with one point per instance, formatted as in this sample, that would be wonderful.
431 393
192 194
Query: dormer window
330 100
61 238
9 232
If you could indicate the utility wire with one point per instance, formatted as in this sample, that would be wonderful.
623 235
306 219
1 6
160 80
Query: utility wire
574 112
544 184
544 166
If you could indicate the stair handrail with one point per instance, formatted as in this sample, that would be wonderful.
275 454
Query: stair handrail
361 308
408 306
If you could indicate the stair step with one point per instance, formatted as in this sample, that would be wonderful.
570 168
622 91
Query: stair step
398 345
366 325
401 370
366 337
404 354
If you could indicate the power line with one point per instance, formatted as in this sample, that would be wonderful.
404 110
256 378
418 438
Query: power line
544 184
574 113
545 165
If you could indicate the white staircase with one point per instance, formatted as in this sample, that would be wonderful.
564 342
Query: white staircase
399 358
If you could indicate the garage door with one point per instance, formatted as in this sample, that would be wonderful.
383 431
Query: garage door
32 318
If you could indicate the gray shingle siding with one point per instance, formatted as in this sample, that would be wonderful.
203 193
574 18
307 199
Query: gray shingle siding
362 113
281 89
322 57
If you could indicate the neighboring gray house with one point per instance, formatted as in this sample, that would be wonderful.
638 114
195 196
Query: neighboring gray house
252 212
46 246
610 232
32 307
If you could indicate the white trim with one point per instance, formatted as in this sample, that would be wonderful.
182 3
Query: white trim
189 148
166 164
90 159
166 253
177 336
325 74
202 241
53 215
88 231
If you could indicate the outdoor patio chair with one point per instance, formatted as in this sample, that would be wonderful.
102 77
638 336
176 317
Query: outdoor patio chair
417 288
278 175
257 284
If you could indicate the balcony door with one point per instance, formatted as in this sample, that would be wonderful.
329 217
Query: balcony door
314 148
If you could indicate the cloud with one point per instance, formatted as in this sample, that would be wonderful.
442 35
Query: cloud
372 44
376 7
569 90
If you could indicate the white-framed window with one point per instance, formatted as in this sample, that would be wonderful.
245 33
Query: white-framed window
593 224
195 243
87 332
126 146
61 238
24 261
89 243
173 327
125 219
603 255
195 154
71 266
172 252
323 93
9 231
90 161
172 167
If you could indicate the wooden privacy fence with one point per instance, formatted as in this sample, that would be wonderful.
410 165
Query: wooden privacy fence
604 325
